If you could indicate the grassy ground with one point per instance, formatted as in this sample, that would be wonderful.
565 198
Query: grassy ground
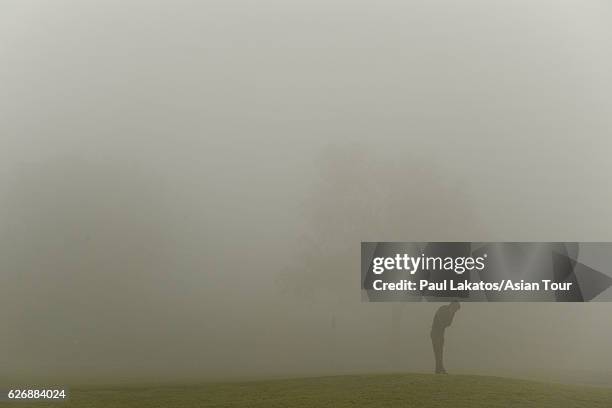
403 390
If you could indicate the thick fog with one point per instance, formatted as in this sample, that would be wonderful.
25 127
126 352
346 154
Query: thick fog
185 185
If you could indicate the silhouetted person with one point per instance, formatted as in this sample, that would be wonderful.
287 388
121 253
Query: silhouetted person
442 319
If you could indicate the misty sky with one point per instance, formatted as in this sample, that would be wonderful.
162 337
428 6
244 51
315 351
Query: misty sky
185 185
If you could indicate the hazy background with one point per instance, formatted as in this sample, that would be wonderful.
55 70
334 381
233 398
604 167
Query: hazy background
184 185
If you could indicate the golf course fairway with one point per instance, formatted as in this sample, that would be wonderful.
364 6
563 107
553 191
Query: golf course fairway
391 390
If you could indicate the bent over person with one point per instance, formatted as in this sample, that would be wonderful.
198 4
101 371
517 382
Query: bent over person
442 319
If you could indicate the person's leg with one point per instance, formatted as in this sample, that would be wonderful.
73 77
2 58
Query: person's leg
441 362
437 340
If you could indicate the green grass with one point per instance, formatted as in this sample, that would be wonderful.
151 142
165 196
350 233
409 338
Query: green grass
397 390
